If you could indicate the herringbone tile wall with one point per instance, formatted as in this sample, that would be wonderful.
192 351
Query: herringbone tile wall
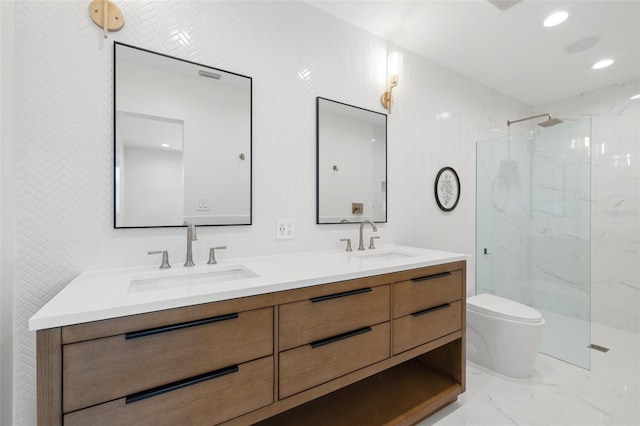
294 53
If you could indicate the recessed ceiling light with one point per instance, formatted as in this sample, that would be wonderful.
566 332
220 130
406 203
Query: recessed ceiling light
582 44
635 97
602 64
165 145
555 18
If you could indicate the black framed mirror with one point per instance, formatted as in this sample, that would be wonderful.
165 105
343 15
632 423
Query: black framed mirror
351 169
182 142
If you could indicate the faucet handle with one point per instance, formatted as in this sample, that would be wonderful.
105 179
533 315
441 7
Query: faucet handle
348 240
165 258
371 245
212 254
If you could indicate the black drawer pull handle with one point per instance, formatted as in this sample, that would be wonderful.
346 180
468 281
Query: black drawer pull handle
174 327
435 308
180 384
431 277
339 337
338 295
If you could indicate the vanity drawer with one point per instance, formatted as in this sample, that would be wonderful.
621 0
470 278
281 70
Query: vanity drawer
210 399
328 315
100 370
310 365
426 325
426 291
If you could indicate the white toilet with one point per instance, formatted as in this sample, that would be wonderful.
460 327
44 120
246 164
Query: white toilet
503 335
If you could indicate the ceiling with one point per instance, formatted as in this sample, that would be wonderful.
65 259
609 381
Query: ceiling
509 50
149 132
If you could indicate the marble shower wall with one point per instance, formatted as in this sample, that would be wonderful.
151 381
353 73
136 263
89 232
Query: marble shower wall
615 195
63 141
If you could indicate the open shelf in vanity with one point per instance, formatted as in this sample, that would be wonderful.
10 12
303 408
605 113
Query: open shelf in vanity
404 394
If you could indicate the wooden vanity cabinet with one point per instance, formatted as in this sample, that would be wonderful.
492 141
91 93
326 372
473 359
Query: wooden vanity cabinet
99 370
385 349
231 392
321 317
328 336
319 362
426 307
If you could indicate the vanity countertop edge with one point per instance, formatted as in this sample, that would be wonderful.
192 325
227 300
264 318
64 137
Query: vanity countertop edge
101 295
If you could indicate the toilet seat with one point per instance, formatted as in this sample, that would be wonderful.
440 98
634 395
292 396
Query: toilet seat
499 307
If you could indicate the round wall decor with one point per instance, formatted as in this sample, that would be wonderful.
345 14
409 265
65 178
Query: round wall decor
447 189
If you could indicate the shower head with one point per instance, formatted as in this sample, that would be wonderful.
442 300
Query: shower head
550 122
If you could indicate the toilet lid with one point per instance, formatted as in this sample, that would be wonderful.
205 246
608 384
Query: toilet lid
496 306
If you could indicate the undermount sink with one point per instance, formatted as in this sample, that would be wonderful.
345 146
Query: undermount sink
162 280
384 255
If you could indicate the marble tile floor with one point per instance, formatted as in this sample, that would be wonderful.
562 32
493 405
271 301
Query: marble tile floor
557 393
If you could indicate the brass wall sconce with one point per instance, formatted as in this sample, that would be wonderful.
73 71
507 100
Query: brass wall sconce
394 67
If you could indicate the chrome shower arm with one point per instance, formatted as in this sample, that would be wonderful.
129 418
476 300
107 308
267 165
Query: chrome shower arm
509 123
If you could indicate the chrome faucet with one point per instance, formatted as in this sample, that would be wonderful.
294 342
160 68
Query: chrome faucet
191 236
373 225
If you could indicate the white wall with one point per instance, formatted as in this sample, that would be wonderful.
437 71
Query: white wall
615 195
154 187
64 157
7 222
440 117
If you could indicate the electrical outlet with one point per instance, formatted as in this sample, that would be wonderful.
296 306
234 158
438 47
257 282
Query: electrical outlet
285 229
202 204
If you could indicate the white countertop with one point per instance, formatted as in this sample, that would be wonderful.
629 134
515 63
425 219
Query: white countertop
99 295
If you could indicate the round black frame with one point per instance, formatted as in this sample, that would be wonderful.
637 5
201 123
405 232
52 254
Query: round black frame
435 189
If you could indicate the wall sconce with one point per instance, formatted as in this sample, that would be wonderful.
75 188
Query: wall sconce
394 67
106 15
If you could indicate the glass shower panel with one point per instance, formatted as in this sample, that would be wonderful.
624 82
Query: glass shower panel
503 217
561 239
533 230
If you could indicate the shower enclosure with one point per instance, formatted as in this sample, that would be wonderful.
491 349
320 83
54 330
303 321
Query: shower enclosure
533 230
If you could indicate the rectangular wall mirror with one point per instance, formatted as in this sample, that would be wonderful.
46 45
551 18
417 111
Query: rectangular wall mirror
351 163
182 142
